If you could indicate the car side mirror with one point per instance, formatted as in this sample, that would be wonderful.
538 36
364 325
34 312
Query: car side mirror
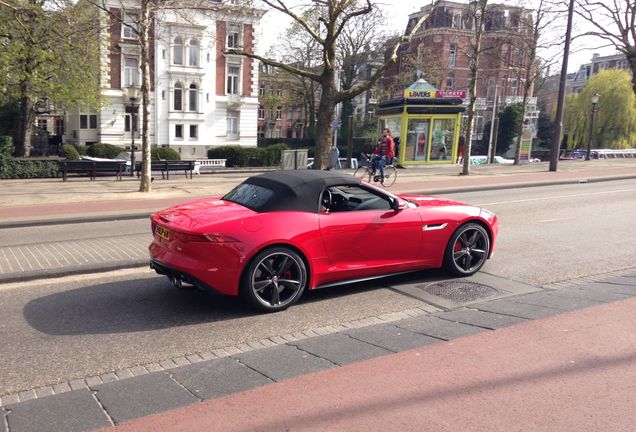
397 204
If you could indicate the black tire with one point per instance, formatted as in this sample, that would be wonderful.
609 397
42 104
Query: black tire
274 280
390 175
363 173
467 250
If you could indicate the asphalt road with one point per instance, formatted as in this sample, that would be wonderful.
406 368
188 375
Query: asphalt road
85 326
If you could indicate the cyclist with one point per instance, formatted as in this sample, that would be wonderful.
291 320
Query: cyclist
384 152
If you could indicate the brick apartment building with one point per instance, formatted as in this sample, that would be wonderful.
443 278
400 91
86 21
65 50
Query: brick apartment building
447 33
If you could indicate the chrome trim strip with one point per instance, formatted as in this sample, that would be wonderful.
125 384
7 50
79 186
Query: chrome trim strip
434 227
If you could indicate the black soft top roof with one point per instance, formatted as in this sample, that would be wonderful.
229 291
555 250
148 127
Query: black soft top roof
298 190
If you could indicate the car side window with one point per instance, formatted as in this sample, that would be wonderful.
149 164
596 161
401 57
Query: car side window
353 198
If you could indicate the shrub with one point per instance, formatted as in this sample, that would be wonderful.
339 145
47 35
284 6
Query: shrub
12 168
16 168
70 152
165 153
273 153
82 149
107 151
233 155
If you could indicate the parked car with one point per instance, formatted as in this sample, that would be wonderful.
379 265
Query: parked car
573 155
283 232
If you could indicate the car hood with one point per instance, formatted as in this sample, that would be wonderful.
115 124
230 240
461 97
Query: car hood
431 201
201 213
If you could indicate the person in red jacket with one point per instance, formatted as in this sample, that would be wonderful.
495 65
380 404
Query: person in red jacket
384 152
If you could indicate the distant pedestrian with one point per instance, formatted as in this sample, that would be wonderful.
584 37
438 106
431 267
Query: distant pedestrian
461 148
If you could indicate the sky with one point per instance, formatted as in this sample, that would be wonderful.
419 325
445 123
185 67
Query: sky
397 12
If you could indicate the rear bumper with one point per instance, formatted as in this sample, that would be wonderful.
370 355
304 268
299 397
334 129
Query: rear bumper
172 272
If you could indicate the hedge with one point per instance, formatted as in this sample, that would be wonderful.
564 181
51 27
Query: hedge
164 153
70 152
12 168
237 156
107 151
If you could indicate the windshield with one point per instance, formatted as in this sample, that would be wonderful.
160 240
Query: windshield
252 196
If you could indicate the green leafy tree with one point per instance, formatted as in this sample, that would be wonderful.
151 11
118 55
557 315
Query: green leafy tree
509 119
48 56
615 117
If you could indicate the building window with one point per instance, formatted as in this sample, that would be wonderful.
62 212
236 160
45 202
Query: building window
457 21
92 121
178 131
178 51
130 29
261 91
450 82
193 53
279 92
279 113
261 113
42 123
194 130
233 123
233 79
234 36
193 96
129 119
131 72
83 121
178 97
277 133
59 126
452 55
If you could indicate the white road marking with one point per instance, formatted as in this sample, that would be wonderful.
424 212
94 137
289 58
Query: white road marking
555 197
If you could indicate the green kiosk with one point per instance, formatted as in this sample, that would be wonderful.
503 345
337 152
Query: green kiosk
426 122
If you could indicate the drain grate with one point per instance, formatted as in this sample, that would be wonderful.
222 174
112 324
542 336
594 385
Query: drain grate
460 292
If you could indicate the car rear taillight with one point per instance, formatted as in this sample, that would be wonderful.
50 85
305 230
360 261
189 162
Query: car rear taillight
202 238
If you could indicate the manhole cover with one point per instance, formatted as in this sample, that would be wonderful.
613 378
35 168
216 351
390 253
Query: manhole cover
460 292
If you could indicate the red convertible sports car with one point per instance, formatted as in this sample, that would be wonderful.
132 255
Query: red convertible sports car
277 234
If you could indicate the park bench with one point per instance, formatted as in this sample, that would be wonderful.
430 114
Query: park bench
91 168
165 166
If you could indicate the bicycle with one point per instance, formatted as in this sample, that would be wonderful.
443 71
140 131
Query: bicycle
365 172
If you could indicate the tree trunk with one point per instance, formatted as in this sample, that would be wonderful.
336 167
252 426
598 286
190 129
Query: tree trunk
520 128
25 125
480 13
632 64
145 184
326 116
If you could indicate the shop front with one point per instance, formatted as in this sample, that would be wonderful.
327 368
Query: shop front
425 124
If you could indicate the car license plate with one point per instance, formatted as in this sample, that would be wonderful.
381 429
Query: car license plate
162 232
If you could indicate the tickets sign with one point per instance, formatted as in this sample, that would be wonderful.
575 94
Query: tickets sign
434 94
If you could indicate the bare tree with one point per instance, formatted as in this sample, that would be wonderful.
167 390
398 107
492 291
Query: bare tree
334 15
535 36
478 16
426 64
614 21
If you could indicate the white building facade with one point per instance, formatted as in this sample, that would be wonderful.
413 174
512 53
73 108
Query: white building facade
200 96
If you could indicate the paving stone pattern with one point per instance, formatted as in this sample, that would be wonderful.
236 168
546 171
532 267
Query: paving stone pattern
98 402
20 261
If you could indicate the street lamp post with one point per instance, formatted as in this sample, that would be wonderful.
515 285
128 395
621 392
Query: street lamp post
595 97
132 93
